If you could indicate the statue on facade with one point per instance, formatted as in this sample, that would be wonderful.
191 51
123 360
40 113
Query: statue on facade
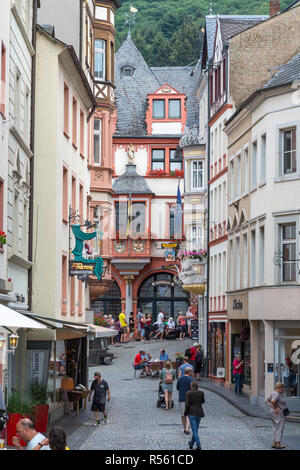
131 153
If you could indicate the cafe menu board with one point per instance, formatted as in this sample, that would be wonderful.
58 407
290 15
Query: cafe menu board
195 328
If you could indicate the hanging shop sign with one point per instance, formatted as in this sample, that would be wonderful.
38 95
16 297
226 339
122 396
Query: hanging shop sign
163 283
80 269
170 256
174 246
193 276
237 305
80 266
169 266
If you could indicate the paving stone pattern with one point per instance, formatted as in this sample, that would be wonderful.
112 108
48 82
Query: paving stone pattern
136 423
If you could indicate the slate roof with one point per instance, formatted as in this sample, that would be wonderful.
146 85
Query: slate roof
230 25
131 183
132 91
287 74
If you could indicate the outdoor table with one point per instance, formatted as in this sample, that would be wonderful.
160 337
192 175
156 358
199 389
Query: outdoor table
73 397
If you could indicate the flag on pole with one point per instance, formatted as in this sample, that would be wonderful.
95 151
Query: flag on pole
133 10
178 215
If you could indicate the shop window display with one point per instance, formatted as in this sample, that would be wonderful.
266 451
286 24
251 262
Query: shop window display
287 360
217 347
241 345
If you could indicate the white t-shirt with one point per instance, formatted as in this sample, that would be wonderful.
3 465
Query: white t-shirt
35 441
171 324
160 318
189 315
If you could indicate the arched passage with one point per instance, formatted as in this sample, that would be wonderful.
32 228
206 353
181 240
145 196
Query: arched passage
160 292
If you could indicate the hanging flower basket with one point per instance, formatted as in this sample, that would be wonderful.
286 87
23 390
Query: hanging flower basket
200 255
100 321
3 239
160 173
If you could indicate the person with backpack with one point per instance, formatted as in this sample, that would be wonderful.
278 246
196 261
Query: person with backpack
199 359
167 376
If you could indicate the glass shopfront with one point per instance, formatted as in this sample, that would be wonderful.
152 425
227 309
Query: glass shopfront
287 359
217 347
241 345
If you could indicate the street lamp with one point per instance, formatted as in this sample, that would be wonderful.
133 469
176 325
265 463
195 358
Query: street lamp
13 342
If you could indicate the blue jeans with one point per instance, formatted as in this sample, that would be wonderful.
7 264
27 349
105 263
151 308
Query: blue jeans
238 378
195 422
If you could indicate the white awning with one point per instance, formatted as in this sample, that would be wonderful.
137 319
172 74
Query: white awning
101 332
11 319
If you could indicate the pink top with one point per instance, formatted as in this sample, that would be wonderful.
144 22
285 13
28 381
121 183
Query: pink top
240 370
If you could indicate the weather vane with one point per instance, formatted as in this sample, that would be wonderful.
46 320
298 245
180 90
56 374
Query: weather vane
130 17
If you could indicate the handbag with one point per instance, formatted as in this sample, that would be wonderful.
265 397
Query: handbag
286 412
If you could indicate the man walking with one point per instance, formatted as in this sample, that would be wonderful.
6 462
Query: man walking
124 326
100 388
161 325
183 386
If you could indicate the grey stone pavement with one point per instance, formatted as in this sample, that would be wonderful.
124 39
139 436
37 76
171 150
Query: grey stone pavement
135 422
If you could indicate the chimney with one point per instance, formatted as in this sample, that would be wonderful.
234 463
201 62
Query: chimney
274 7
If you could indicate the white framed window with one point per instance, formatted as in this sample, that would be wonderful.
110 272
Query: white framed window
239 176
245 260
246 170
112 17
263 143
238 263
288 150
288 249
254 166
197 176
100 61
231 180
101 13
196 237
97 141
231 265
253 258
261 255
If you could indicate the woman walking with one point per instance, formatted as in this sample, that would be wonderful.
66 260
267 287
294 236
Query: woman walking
147 327
181 321
167 376
278 412
142 328
193 410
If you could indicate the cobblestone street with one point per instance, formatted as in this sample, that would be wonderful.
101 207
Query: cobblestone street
136 423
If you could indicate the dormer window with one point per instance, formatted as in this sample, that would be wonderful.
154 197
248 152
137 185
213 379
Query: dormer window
166 106
158 109
174 109
127 71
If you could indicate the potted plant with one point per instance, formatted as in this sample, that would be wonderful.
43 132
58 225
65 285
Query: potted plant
2 238
18 407
40 411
